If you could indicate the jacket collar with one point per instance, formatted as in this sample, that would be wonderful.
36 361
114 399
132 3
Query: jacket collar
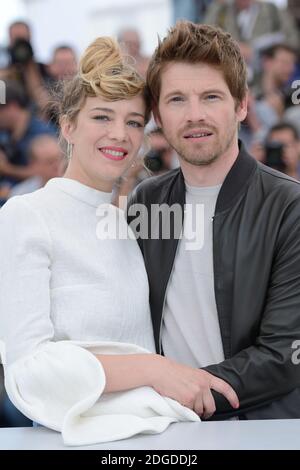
234 184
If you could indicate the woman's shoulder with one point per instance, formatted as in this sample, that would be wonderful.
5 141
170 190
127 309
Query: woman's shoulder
36 201
23 228
27 214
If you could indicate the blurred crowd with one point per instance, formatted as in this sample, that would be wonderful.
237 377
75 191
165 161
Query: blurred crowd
30 153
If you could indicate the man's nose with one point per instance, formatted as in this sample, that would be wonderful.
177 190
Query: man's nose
195 111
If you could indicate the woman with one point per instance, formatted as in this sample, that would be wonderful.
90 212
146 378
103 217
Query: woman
74 304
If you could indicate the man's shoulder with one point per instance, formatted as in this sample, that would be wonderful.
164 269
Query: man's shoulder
277 178
283 188
155 187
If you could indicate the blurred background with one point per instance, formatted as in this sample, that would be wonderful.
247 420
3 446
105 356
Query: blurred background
61 21
41 42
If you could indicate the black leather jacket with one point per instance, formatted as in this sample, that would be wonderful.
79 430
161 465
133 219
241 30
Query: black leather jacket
256 249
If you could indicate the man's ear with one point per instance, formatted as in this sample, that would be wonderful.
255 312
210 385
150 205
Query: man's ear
242 108
66 129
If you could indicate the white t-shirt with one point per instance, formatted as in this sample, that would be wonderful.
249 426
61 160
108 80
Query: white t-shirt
190 331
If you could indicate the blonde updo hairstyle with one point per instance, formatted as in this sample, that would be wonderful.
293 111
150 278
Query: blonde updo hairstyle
104 71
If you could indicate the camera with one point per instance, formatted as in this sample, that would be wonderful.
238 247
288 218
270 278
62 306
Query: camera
21 52
274 156
153 161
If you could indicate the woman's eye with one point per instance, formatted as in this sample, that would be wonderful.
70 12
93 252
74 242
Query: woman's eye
101 117
135 124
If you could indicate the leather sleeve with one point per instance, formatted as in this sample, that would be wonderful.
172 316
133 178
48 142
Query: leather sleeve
267 370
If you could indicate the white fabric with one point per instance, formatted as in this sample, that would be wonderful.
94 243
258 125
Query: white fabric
66 295
246 21
191 331
27 186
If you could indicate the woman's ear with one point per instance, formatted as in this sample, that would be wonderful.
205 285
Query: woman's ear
66 129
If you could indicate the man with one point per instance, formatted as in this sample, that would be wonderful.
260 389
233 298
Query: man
45 162
256 26
63 65
131 41
278 65
286 136
230 306
18 126
253 22
23 68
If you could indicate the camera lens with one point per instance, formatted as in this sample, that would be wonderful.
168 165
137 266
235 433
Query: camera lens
153 161
21 52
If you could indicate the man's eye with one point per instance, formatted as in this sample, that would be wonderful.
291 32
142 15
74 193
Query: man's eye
176 98
212 97
135 124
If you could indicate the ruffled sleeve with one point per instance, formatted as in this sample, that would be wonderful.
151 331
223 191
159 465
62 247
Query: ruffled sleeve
60 386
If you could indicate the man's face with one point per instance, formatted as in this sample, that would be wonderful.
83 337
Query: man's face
64 64
291 146
282 65
131 41
47 159
18 31
197 113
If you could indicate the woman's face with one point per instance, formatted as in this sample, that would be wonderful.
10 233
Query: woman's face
106 138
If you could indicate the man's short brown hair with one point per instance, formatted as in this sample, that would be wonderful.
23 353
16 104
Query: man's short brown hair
192 43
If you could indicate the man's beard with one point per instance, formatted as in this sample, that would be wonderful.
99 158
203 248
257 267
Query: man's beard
199 160
204 156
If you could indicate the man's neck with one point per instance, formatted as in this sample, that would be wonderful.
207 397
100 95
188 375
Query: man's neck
20 125
212 174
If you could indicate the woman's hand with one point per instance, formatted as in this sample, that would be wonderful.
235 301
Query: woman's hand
191 387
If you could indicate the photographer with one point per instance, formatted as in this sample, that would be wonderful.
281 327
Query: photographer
22 66
278 66
45 161
282 149
159 159
63 65
18 127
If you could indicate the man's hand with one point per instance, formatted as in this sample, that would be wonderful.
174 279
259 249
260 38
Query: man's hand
191 387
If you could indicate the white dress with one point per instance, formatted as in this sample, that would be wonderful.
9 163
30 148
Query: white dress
68 291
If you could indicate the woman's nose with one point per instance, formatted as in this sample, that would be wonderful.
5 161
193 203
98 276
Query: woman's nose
118 131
